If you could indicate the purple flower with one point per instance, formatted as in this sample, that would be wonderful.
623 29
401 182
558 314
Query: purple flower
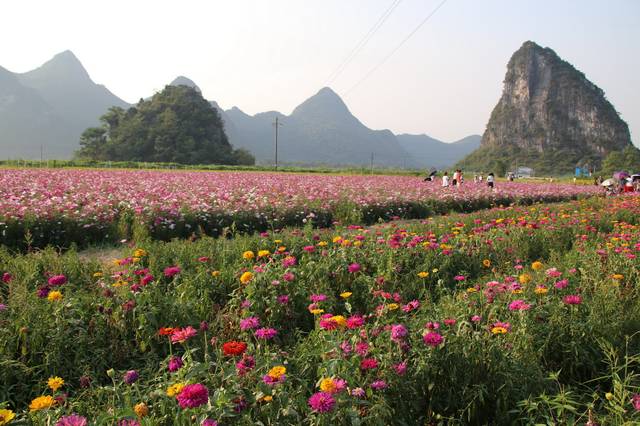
209 422
128 422
358 392
57 280
6 278
266 333
3 307
43 291
249 323
321 402
175 364
283 299
245 364
192 396
130 377
72 420
379 385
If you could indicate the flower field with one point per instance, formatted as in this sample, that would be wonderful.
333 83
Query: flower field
59 207
511 315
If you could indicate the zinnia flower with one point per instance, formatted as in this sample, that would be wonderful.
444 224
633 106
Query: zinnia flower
141 410
131 376
233 348
175 364
6 415
322 402
368 364
536 266
246 277
175 389
55 383
171 271
245 364
519 305
266 333
54 296
248 255
635 401
57 280
572 299
181 335
209 422
42 403
192 396
6 278
432 339
379 385
249 323
128 422
72 420
398 332
500 327
354 267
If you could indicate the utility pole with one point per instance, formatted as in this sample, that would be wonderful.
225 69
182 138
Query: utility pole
371 163
41 154
276 124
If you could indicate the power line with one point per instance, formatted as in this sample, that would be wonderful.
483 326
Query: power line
386 58
364 41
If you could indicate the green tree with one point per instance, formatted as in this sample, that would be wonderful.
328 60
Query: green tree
627 160
176 125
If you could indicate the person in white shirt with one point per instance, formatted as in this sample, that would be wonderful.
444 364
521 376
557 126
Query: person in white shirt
490 180
445 180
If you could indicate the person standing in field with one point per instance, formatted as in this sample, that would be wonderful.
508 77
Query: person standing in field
456 176
445 180
490 180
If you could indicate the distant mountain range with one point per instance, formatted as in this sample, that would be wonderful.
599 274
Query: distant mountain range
52 105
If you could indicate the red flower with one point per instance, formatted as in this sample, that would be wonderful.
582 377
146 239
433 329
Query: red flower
166 331
233 348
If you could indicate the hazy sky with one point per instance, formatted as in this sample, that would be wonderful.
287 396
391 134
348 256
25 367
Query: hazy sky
263 55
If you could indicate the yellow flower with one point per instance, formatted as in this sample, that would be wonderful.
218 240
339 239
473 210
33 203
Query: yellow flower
266 398
524 278
54 296
97 274
281 249
486 263
248 255
322 244
499 330
357 243
119 283
472 290
141 410
337 239
140 253
175 389
393 306
42 403
618 277
264 253
328 385
541 290
423 274
346 294
609 396
55 383
135 259
536 266
317 311
339 319
277 372
246 277
6 416
215 273
517 291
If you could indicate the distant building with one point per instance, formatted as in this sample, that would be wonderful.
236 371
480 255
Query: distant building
524 172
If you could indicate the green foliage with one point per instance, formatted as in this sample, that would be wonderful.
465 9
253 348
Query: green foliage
176 125
626 160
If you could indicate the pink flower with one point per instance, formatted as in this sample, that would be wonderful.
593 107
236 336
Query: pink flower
354 267
411 306
358 392
459 278
561 284
362 348
181 335
171 271
246 364
572 299
400 368
368 364
272 381
192 396
476 318
432 339
6 278
315 298
322 402
266 333
289 261
57 280
450 322
204 259
635 401
249 323
309 249
288 276
346 347
209 422
355 321
553 272
398 332
379 385
72 420
175 364
283 299
432 325
519 305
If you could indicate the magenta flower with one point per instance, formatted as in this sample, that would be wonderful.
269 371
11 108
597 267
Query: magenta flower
204 259
379 385
72 420
400 368
432 325
128 422
459 278
283 299
561 284
398 332
322 402
249 323
309 249
245 365
519 305
209 422
572 299
368 364
354 267
432 339
175 364
288 276
192 396
131 376
57 280
3 307
635 401
450 322
272 381
315 298
171 271
6 278
181 335
266 333
411 306
362 348
289 261
476 318
355 321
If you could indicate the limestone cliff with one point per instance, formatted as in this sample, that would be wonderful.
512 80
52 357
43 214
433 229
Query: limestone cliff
550 117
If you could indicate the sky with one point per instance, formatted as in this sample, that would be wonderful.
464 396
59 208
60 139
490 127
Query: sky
262 55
